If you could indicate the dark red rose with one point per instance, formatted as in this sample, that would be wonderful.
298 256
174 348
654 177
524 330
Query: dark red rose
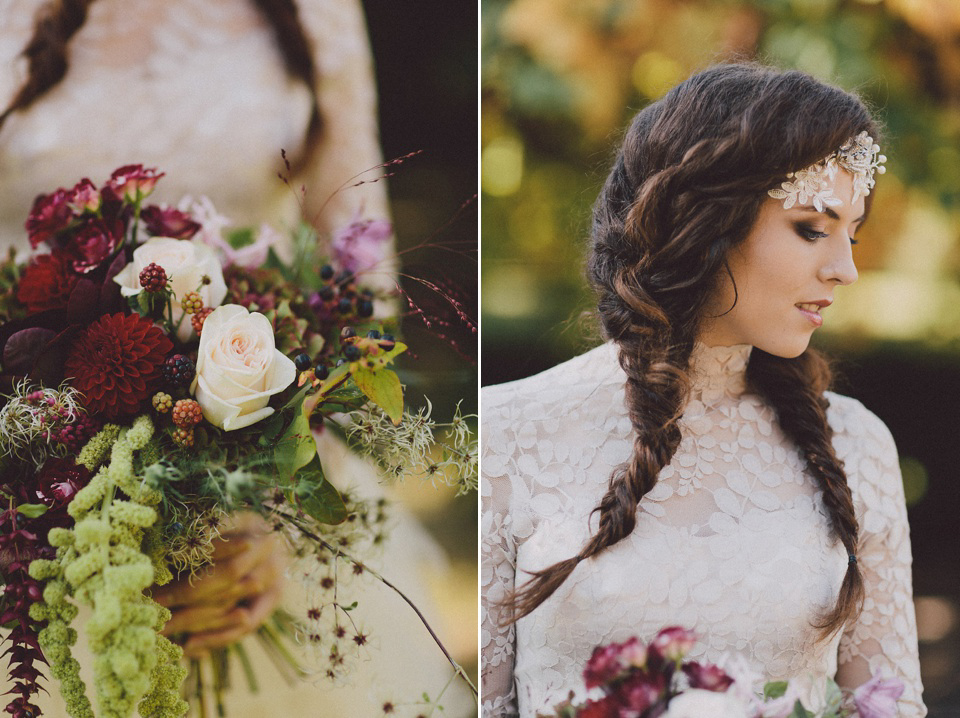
707 676
58 482
115 364
94 243
603 708
672 644
640 691
50 214
46 283
604 665
84 197
168 222
133 182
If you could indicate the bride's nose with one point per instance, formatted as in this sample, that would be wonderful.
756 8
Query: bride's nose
838 266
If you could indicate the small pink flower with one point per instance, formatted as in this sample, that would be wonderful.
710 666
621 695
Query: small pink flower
673 643
707 676
633 653
641 691
84 197
362 245
133 182
168 222
877 698
50 214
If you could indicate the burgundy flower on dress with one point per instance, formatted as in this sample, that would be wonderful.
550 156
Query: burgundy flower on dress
84 197
362 245
707 676
115 364
46 283
95 242
133 182
50 214
640 691
604 665
168 222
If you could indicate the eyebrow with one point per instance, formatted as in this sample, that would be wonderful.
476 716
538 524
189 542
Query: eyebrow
831 214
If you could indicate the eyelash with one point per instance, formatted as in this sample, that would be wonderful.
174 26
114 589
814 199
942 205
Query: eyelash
812 235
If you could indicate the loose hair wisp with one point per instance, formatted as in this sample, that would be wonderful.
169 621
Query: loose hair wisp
685 188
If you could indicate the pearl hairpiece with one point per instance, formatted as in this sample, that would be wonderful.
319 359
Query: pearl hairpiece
860 157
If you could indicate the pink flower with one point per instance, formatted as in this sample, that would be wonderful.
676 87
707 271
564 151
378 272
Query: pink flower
95 242
633 653
603 708
362 245
133 182
168 222
707 676
673 643
50 214
877 698
640 691
84 197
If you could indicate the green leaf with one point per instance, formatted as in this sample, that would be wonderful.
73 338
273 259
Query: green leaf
800 712
834 698
317 496
296 447
398 349
774 689
383 388
240 238
32 511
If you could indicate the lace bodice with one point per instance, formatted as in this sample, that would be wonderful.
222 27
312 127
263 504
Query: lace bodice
733 542
197 88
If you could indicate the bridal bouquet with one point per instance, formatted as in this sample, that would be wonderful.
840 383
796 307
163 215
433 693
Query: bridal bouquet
656 681
158 373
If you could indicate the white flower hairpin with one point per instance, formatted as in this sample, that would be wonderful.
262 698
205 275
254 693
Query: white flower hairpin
860 157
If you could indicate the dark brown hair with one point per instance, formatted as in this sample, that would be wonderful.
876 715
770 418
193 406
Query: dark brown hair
686 187
59 20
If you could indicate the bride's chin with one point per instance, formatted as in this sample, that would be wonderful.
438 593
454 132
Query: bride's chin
786 347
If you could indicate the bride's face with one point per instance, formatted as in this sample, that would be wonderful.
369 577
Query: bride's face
784 274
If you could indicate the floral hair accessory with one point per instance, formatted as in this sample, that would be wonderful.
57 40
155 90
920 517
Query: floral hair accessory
860 156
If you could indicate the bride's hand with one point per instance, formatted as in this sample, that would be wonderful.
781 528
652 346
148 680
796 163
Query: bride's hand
236 595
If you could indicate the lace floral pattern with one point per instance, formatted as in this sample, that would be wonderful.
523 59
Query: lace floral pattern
732 542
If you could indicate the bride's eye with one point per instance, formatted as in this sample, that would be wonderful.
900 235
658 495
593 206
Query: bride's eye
810 234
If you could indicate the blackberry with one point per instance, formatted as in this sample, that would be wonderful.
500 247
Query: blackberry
351 353
192 302
187 413
178 370
153 278
302 361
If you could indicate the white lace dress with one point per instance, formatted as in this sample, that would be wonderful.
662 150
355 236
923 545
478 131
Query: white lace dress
733 542
198 89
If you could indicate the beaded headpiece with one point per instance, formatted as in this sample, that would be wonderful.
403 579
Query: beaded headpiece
860 156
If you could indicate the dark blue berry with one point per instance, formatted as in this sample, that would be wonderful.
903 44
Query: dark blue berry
344 306
388 338
373 334
351 352
321 371
326 293
365 308
302 361
326 272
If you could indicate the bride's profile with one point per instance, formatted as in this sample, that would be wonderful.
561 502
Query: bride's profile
695 470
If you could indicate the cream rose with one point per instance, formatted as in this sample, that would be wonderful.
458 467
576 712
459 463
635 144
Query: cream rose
185 262
238 368
698 703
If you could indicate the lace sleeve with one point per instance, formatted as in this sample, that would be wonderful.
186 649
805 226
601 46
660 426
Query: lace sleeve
884 638
498 564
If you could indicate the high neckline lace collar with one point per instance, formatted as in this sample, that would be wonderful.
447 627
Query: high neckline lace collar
719 372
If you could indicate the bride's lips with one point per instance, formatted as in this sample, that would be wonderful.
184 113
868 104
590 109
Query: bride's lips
811 310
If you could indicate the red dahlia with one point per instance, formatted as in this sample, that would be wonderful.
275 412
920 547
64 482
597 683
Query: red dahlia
46 283
115 364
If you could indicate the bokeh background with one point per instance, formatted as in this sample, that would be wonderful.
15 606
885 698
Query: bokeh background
559 81
426 68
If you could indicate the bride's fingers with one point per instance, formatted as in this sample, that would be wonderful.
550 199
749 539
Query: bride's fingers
246 621
197 619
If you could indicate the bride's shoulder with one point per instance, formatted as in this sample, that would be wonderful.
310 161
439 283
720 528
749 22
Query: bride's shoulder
863 442
566 384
